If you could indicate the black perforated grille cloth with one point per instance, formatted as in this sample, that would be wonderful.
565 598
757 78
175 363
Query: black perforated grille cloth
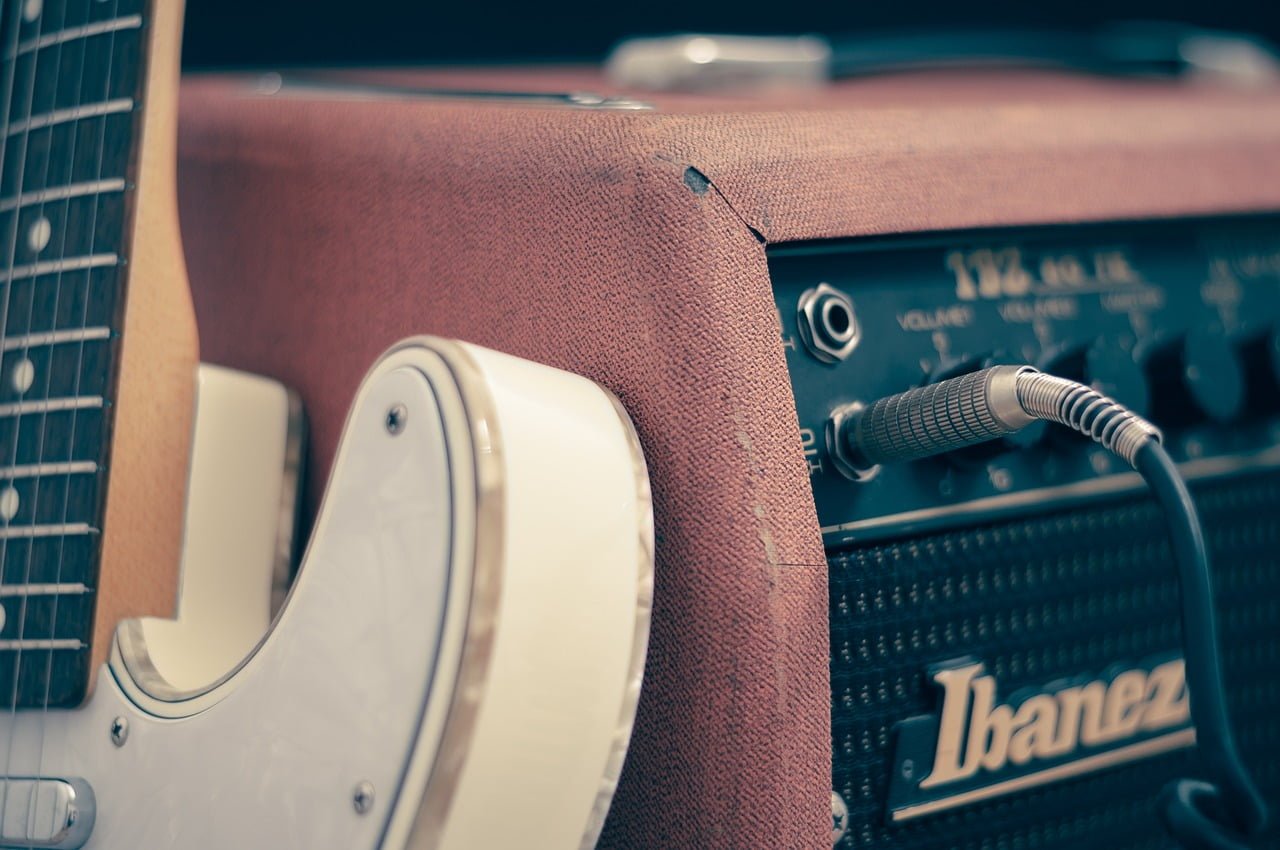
1039 598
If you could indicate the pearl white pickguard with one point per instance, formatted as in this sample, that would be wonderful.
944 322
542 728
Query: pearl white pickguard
462 646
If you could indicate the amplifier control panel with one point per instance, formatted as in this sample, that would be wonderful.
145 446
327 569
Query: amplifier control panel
1178 320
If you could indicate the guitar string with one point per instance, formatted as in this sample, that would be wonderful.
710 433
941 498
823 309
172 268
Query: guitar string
4 323
38 483
90 228
15 26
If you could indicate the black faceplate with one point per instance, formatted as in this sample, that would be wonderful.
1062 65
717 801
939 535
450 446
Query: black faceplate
1173 318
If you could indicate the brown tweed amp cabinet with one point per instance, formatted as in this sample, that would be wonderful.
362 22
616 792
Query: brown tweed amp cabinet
981 650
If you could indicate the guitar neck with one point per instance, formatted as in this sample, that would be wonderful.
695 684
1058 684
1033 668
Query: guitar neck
96 336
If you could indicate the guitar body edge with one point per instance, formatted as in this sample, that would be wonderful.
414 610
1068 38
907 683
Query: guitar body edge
456 665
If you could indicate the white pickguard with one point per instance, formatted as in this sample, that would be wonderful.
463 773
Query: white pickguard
357 680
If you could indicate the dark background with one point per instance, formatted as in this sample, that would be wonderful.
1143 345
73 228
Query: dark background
222 33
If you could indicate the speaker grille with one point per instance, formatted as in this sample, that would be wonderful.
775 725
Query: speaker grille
1040 598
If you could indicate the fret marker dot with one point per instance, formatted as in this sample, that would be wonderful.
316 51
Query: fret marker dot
2 618
8 504
38 235
24 375
31 9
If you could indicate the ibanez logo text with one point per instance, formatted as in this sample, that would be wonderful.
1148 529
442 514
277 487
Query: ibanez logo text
977 747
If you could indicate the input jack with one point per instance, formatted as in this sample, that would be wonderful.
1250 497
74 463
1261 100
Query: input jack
828 324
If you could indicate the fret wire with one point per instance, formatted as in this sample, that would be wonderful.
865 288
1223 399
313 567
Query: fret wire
36 340
67 264
74 467
62 589
62 193
72 33
71 113
49 530
41 643
50 405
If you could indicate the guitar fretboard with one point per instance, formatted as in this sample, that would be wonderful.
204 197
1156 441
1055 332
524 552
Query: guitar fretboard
70 84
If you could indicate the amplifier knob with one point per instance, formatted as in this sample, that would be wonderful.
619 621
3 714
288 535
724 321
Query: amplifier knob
955 367
1260 352
1193 376
1114 372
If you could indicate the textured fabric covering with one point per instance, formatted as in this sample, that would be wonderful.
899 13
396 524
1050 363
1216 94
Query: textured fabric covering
629 246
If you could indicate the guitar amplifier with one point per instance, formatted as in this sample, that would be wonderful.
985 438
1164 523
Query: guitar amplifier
979 651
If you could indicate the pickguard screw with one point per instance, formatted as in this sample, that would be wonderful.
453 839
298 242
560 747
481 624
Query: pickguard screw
362 799
397 416
119 731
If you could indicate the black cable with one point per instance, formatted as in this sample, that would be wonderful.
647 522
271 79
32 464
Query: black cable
1220 814
1224 813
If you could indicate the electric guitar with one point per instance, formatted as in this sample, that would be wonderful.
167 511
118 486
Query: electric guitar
456 662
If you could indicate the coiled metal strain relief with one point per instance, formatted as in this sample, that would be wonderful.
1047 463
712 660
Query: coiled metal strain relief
1086 410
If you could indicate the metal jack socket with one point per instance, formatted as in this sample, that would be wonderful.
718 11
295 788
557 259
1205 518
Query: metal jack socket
842 420
828 324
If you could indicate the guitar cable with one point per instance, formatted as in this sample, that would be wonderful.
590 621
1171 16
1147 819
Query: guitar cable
1223 813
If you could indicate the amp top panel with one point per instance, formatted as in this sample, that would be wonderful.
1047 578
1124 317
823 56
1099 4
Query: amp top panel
1178 320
